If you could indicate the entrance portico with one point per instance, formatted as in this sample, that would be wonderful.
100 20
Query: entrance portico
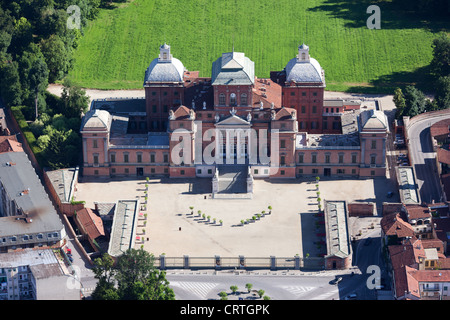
233 140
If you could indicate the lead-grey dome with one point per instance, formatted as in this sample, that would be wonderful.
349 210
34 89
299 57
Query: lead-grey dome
303 68
165 68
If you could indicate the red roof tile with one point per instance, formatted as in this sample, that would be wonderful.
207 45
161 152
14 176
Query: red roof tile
393 225
92 224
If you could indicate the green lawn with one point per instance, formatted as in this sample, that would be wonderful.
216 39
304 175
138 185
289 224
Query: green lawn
119 45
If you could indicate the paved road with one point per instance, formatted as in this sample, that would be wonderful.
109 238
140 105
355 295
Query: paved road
423 159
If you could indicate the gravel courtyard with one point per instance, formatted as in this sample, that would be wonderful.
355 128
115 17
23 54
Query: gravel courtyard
288 231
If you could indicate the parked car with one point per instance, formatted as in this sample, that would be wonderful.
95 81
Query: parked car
336 280
351 296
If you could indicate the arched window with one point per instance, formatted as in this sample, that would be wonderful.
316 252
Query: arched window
233 99
303 56
243 99
221 99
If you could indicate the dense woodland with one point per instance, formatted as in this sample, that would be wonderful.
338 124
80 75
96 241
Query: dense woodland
37 48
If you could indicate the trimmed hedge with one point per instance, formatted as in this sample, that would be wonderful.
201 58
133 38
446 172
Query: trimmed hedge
29 136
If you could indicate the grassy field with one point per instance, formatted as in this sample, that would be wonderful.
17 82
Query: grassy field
120 44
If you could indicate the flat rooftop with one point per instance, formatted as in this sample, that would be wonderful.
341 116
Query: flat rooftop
338 243
407 185
24 187
124 227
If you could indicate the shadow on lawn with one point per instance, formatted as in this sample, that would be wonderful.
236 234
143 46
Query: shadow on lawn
393 16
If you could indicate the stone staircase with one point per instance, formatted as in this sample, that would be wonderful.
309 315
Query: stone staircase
232 182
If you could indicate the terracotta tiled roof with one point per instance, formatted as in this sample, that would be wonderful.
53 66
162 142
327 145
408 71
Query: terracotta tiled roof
10 144
268 92
285 114
92 224
443 155
182 113
417 212
393 225
430 275
440 128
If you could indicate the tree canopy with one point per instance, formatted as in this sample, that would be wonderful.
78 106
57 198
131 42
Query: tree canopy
133 277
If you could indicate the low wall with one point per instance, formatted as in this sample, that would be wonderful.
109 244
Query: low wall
361 209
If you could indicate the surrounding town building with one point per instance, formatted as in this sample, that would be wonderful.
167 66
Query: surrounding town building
185 118
27 216
36 275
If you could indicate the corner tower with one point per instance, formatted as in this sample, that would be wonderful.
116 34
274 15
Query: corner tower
164 88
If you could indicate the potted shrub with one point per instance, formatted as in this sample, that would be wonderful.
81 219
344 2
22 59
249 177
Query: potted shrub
214 220
192 209
258 216
270 209
220 222
233 289
249 287
208 217
263 213
199 212
203 216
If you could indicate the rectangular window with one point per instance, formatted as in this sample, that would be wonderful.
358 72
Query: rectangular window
152 170
125 158
282 172
94 143
292 93
127 170
353 158
139 158
152 158
282 160
166 158
314 158
154 108
373 159
282 143
374 144
341 158
303 109
95 158
314 109
300 158
304 94
327 158
255 171
113 157
182 172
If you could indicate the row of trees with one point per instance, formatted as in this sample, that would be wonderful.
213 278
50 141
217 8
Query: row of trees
410 101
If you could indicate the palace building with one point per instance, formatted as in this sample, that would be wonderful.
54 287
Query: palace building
192 126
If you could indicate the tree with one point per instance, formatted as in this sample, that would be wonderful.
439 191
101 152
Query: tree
74 99
38 79
442 95
10 87
415 102
261 292
133 278
249 286
233 289
57 56
138 279
400 103
440 64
